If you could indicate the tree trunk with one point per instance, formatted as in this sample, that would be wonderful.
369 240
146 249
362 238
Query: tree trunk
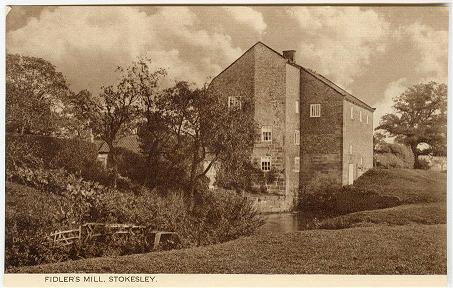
111 159
416 154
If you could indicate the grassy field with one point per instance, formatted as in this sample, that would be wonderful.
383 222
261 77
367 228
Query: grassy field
407 239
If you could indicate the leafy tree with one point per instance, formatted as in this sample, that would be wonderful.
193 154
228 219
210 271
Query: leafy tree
191 131
36 95
420 119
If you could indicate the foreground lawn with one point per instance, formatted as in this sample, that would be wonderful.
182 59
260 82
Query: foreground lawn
409 185
424 213
379 249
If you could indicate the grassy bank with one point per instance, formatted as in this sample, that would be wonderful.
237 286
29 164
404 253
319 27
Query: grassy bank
409 185
410 249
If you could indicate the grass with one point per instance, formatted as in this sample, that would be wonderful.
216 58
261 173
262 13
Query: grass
423 193
409 185
426 213
411 249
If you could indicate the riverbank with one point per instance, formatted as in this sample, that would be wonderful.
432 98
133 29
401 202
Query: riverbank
379 249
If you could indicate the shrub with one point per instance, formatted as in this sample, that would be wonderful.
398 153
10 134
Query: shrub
323 194
66 201
73 155
393 156
423 164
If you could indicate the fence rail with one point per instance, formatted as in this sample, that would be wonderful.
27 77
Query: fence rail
90 231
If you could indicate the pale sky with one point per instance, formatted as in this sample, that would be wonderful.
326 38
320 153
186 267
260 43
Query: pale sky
373 52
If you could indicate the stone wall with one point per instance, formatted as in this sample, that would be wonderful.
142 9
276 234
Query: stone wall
272 203
321 137
359 134
270 98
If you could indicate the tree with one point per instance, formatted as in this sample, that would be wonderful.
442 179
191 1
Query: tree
191 131
36 95
420 119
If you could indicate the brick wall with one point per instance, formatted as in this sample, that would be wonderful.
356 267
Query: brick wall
359 134
321 137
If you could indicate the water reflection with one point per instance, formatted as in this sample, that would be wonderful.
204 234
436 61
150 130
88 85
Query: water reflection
289 222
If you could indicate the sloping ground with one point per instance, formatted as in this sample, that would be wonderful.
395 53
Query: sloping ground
425 213
380 249
409 185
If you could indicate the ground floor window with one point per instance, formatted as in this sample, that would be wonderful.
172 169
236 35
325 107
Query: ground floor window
266 163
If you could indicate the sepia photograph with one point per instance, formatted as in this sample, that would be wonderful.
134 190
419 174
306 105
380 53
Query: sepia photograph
225 139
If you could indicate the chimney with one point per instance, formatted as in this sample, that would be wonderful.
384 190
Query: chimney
290 55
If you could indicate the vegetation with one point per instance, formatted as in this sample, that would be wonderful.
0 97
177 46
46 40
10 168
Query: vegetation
420 120
32 213
36 94
366 250
393 155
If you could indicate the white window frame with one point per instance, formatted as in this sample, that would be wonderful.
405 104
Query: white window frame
297 106
352 112
266 129
367 121
296 137
266 167
315 110
350 149
296 164
234 101
360 115
361 160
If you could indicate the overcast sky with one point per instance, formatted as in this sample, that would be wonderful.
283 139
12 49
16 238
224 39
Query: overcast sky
373 52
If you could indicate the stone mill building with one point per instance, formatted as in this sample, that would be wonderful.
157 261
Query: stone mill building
309 126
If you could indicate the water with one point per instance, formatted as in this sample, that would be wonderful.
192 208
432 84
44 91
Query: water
289 222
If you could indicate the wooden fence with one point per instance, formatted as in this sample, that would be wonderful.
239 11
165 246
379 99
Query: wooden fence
90 231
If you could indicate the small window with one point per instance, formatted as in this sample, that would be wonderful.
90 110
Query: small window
350 148
266 133
297 137
266 163
296 164
234 102
361 160
315 110
297 107
366 118
352 112
360 116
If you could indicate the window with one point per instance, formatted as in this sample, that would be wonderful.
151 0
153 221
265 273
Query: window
352 112
296 164
360 116
266 133
361 160
297 107
315 110
350 148
297 137
366 118
234 102
266 163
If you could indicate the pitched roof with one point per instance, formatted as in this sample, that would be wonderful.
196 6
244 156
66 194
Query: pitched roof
320 77
131 143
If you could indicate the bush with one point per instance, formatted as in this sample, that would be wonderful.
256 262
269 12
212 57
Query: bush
67 201
324 195
394 156
73 155
423 164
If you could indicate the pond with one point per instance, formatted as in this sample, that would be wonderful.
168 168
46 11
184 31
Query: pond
289 222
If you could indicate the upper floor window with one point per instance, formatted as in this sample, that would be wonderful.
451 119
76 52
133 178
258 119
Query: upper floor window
366 118
234 102
315 110
296 164
266 133
350 148
352 112
297 106
266 163
297 137
360 116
